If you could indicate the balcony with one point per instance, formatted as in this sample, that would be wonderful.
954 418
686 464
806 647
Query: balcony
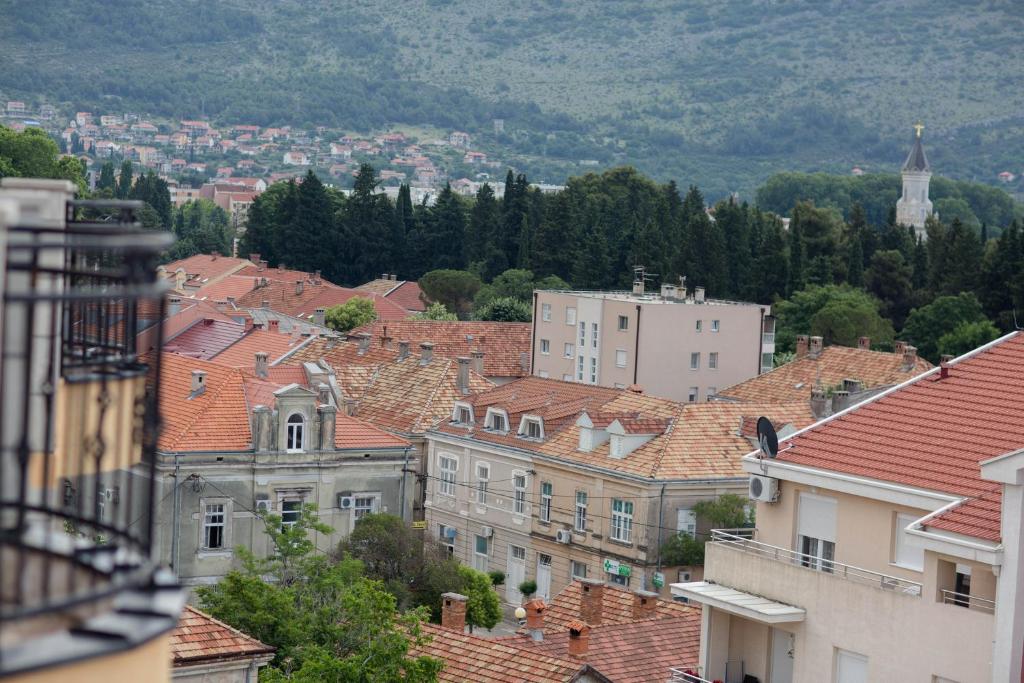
968 601
78 430
686 674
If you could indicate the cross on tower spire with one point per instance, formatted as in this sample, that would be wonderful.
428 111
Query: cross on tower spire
918 127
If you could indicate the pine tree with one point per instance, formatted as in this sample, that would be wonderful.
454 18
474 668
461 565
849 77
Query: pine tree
855 261
367 222
447 232
772 264
797 258
963 269
124 181
398 246
919 279
311 237
106 180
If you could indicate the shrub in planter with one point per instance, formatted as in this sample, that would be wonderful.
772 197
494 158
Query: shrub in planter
497 578
528 588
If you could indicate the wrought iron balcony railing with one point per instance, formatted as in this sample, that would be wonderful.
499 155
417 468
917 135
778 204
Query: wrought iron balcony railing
79 410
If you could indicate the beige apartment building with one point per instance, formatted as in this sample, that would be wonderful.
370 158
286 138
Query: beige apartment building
674 344
554 481
888 540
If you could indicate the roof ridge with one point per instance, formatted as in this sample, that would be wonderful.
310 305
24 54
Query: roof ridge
429 403
242 634
211 399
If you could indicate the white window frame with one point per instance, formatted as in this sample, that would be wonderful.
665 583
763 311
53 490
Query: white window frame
528 421
519 484
715 325
852 657
700 326
593 370
686 522
570 316
545 347
575 567
566 377
481 482
481 560
711 391
448 476
546 494
620 358
568 350
912 558
693 395
489 422
297 512
623 323
583 335
713 360
457 412
444 540
579 367
621 527
295 433
206 523
579 521
695 360
817 551
360 511
545 312
594 336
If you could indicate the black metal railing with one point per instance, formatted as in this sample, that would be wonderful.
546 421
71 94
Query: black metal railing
78 408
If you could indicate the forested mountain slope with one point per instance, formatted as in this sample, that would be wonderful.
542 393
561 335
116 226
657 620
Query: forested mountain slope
721 92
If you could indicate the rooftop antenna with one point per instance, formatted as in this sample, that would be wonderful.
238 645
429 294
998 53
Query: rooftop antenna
640 278
767 440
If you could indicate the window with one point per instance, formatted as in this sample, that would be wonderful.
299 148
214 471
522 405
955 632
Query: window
700 325
623 323
580 523
579 569
545 312
593 371
545 501
711 391
446 534
962 585
532 428
570 316
695 361
296 433
851 667
714 326
545 346
615 447
579 368
496 421
483 475
568 349
816 531
620 358
691 395
480 554
618 579
767 360
686 522
566 377
291 511
364 505
213 526
713 360
622 520
519 499
593 337
463 415
903 554
583 335
449 466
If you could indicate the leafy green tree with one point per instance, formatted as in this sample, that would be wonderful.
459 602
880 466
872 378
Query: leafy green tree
355 312
505 309
888 278
453 288
483 607
967 337
927 324
682 549
435 311
201 227
32 154
728 511
838 313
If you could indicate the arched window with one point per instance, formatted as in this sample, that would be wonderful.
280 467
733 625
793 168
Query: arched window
296 437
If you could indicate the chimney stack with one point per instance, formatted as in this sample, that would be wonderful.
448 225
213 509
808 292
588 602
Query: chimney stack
173 305
351 406
817 344
818 401
298 287
403 349
316 277
524 362
275 325
946 358
255 258
248 322
394 277
645 604
262 364
864 343
265 304
909 358
478 362
426 352
332 341
383 276
463 378
231 301
320 316
579 638
453 611
591 601
944 368
323 393
364 342
899 347
535 618
698 294
840 401
198 382
801 345
852 386
221 305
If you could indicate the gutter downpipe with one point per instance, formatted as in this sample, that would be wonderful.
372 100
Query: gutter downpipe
533 339
177 515
636 351
405 475
661 518
760 344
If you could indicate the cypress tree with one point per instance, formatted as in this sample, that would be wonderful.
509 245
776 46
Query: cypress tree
919 278
311 238
855 261
447 232
124 181
797 257
106 180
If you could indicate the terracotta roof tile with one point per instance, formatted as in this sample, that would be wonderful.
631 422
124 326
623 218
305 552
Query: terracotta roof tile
231 286
199 637
282 297
205 338
616 608
215 420
503 344
932 433
242 353
405 293
794 380
203 269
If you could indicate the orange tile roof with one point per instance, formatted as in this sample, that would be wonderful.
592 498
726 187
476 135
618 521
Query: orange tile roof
281 297
405 293
380 286
215 420
503 344
242 353
205 269
198 637
691 440
616 607
932 433
231 286
351 432
205 338
794 380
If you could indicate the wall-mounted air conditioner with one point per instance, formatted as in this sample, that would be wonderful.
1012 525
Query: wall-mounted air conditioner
563 536
345 502
486 531
764 489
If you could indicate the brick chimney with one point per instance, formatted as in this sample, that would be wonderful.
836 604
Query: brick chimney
221 304
591 601
909 358
944 366
463 377
426 352
255 258
535 618
364 342
275 325
864 343
818 401
320 316
403 349
635 389
248 323
645 604
262 364
453 611
899 347
817 344
299 285
801 345
478 362
579 638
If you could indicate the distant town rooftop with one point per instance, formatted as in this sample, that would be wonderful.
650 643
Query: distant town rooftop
669 294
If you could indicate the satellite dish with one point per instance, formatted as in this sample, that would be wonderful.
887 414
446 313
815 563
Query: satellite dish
767 439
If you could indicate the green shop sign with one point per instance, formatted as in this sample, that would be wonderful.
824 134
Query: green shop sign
615 567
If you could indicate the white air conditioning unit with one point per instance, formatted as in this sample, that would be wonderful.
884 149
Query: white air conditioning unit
486 531
764 489
346 502
263 506
563 536
684 576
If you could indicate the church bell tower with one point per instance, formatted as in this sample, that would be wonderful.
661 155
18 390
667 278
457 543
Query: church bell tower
913 206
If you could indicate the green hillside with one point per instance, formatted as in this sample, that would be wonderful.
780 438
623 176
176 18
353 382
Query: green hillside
720 92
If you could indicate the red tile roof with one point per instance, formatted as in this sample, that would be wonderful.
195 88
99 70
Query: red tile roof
282 297
503 344
405 293
932 433
616 607
205 269
353 433
242 353
232 286
794 380
205 339
199 637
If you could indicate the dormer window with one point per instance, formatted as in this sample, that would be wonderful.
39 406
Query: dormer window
462 414
531 427
296 433
497 420
616 446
